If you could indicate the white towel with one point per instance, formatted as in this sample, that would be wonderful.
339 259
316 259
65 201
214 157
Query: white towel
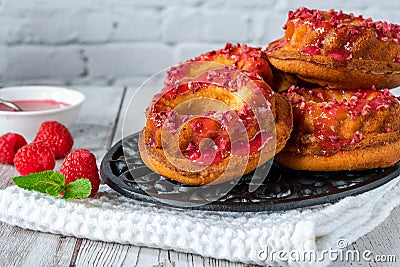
241 237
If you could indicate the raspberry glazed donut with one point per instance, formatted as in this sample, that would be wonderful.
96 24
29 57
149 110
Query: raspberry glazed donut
214 127
338 50
252 60
342 129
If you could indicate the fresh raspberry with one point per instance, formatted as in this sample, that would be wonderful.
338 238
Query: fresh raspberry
35 157
9 145
57 136
81 163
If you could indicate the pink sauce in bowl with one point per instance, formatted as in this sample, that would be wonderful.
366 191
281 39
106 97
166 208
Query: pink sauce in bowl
36 105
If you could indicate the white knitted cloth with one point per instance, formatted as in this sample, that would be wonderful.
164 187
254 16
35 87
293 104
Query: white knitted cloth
240 237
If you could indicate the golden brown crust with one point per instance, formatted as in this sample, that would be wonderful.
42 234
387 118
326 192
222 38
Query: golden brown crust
283 121
284 80
383 154
155 159
359 74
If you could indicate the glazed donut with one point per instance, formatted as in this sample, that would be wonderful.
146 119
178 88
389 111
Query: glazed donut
342 129
252 60
338 50
215 127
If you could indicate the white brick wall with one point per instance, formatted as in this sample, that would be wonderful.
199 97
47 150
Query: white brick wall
125 41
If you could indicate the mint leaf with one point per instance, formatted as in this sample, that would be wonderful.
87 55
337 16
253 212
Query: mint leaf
81 188
50 182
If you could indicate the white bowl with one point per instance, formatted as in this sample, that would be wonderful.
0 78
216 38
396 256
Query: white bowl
27 123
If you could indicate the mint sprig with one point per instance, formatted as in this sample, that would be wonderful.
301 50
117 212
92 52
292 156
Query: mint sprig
81 188
48 182
54 183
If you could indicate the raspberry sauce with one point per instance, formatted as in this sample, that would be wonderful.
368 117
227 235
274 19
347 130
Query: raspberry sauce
36 105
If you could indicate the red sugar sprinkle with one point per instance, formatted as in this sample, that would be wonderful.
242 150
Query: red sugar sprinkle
320 96
339 19
196 126
356 138
191 147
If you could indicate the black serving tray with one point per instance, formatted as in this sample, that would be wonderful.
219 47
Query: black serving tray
282 189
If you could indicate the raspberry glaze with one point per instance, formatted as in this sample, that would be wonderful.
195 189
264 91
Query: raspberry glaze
252 60
327 120
338 36
207 137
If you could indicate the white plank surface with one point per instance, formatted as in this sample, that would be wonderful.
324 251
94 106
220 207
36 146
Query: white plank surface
98 126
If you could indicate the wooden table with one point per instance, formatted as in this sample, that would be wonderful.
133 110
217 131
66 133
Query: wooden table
97 128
